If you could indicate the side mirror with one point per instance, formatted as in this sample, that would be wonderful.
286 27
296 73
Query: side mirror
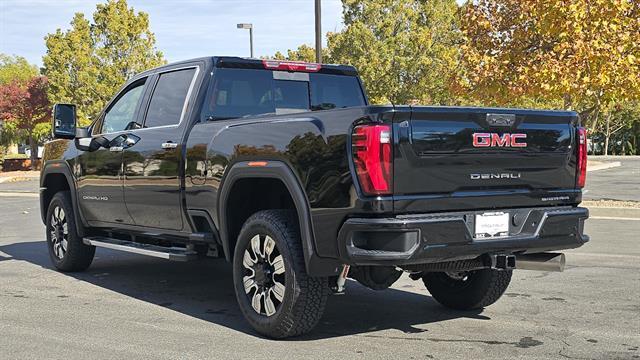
64 121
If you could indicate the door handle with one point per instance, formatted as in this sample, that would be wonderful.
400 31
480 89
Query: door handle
169 145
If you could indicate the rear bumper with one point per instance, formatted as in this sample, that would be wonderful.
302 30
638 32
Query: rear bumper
430 238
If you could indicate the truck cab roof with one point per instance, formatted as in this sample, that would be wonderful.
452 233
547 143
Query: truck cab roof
270 64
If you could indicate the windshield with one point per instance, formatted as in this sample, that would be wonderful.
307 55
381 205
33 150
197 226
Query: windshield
243 92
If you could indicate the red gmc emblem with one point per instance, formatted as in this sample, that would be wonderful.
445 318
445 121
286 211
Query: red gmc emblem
497 140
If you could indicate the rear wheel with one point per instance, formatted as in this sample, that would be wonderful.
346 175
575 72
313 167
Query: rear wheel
66 249
467 290
274 292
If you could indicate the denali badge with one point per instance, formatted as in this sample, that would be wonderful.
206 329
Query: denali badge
494 176
497 140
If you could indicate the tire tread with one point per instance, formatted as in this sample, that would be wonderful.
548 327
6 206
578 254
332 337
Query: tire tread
311 293
486 288
79 255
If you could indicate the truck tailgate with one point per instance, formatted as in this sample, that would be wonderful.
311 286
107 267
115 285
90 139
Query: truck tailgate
483 158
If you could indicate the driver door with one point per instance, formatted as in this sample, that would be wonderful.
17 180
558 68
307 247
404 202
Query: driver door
100 178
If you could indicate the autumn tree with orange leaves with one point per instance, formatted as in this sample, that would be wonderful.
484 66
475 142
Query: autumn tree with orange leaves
582 55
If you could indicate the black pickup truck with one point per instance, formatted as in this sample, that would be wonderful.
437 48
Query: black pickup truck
285 170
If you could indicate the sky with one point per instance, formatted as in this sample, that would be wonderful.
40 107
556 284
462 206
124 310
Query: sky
183 29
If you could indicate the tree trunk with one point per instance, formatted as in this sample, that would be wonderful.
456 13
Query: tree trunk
607 135
34 151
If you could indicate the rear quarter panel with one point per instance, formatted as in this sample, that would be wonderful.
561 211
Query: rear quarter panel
313 144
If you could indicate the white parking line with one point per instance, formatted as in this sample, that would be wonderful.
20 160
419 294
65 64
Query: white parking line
613 218
18 194
616 256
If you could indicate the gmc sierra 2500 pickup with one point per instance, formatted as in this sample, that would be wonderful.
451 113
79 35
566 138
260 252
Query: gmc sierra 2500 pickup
286 171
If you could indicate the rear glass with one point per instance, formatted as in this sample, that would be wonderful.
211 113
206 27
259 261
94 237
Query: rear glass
244 92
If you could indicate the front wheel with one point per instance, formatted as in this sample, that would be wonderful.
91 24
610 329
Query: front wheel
272 287
467 290
66 249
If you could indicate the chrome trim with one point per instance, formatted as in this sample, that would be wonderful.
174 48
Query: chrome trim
85 141
541 262
169 145
176 254
184 105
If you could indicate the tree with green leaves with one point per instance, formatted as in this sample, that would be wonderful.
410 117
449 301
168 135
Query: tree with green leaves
405 50
89 62
16 68
304 52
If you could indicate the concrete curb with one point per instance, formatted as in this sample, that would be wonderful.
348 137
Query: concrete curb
19 194
613 157
4 179
603 166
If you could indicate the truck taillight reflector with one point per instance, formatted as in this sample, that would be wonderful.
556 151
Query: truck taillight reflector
372 158
581 169
291 65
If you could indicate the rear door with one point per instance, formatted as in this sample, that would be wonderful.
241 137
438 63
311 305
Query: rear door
152 185
465 156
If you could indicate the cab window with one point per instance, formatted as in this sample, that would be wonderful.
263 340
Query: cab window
121 114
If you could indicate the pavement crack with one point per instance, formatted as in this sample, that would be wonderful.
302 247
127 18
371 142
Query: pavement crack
569 356
524 343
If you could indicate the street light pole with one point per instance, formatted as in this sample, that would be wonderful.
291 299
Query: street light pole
318 32
250 27
251 40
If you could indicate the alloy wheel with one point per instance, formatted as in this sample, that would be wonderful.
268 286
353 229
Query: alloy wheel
264 278
59 231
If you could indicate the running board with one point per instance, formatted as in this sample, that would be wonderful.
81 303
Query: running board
169 253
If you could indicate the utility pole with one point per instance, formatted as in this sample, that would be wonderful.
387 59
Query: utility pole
250 27
251 40
318 32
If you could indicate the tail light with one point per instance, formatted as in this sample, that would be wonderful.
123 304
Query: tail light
372 158
581 169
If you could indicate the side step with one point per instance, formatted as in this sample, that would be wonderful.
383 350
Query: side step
169 253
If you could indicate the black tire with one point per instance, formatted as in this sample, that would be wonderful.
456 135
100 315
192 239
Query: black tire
298 307
468 290
67 251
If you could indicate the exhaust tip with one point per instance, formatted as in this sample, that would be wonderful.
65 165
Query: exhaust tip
541 262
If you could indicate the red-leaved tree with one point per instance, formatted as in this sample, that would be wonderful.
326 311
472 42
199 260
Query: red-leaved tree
24 107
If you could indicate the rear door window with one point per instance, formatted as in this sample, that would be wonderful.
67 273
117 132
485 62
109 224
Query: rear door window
169 98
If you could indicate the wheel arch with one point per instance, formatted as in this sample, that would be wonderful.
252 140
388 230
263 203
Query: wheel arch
279 171
55 177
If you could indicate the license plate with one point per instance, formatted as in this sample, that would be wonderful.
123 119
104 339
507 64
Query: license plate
492 225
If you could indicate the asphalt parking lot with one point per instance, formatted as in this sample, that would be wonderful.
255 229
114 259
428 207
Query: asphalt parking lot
130 306
618 183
